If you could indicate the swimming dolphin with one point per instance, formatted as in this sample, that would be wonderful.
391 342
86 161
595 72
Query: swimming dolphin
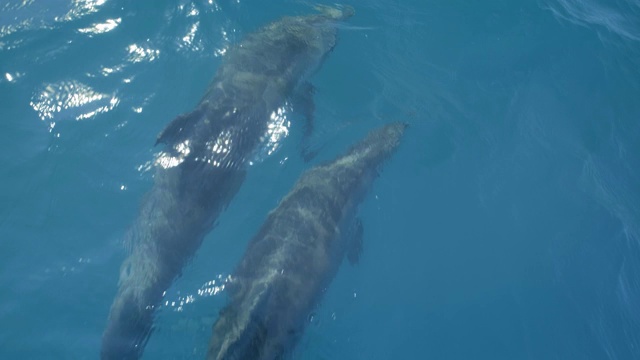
204 163
297 252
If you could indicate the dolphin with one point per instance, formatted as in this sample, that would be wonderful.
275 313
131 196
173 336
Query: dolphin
204 163
294 256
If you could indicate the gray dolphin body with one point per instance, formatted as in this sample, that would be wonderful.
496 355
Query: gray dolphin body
204 164
296 253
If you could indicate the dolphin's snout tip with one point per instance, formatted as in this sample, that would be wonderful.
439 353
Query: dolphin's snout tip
395 132
398 127
347 11
339 12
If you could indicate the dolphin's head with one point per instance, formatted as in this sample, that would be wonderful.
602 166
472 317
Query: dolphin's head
357 169
313 37
328 21
339 12
378 145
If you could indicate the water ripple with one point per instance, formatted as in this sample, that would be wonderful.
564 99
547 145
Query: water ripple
592 12
71 99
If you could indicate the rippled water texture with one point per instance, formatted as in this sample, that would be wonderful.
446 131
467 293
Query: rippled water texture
507 226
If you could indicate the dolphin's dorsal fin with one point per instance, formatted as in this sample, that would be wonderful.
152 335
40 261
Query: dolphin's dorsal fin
176 127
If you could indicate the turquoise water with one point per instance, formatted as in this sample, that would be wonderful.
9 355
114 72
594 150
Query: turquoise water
507 226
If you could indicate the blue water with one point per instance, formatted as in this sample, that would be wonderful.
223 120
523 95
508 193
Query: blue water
507 226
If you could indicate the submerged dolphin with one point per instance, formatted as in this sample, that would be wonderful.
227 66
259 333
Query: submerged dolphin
297 252
204 164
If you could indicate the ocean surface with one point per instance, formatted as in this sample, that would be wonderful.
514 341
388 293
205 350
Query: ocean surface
507 226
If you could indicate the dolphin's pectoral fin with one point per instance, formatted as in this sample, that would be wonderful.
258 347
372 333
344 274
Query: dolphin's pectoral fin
303 103
355 244
309 152
172 132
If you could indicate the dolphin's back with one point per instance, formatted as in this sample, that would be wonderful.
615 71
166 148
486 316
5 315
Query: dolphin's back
203 165
290 261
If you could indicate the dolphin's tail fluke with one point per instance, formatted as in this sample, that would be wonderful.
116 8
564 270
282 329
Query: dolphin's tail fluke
128 331
141 286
